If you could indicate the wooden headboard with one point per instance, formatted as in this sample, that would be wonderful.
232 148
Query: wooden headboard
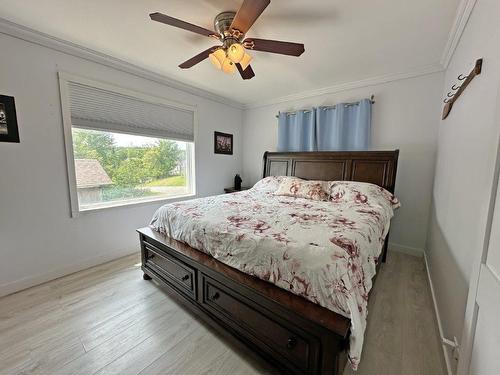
376 167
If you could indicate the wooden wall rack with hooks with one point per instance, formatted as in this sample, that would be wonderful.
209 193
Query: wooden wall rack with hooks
453 97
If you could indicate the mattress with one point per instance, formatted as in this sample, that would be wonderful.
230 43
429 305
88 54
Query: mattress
325 251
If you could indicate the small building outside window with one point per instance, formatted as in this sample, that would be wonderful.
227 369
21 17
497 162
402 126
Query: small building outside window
91 178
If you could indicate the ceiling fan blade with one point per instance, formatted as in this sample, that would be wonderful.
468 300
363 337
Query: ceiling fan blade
247 73
274 46
163 18
248 13
197 59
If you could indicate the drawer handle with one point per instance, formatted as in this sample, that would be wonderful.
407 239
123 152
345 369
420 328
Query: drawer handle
292 341
216 296
185 277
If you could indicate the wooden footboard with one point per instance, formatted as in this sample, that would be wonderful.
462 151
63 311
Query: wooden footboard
291 333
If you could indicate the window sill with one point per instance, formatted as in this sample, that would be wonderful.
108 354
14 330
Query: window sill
132 202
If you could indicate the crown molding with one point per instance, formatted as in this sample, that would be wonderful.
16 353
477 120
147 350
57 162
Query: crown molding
33 36
462 17
431 69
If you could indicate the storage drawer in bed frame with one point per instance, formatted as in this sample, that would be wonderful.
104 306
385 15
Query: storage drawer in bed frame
261 326
170 269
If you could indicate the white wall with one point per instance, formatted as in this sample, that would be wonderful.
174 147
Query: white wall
38 238
404 116
464 168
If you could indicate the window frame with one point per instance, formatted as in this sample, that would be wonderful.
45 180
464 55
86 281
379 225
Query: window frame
64 79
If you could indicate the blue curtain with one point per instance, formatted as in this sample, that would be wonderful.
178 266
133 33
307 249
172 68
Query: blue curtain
344 126
296 131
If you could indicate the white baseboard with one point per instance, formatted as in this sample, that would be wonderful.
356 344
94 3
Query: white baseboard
446 353
416 252
30 281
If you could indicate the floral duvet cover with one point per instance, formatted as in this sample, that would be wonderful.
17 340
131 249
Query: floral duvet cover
324 251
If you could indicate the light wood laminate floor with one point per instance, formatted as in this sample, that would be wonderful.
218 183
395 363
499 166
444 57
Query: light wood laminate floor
107 320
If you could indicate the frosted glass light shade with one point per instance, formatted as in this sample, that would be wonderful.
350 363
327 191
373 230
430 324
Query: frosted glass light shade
217 58
245 61
228 66
236 52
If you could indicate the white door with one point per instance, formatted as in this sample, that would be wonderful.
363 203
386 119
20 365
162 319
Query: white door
480 342
481 349
485 357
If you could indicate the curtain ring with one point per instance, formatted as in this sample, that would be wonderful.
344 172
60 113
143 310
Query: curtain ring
450 95
461 77
455 87
446 101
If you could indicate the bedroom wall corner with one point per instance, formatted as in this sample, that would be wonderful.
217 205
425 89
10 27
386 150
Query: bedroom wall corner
466 153
404 116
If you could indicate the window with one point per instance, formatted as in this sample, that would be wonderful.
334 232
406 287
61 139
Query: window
124 147
113 168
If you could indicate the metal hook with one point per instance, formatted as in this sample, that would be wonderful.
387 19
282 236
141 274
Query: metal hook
455 87
461 77
450 95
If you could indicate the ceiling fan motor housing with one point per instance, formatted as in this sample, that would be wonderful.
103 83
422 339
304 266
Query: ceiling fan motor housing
222 24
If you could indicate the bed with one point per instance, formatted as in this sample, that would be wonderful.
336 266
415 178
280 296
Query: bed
229 283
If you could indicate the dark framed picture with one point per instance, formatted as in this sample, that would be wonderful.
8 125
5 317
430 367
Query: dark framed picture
8 120
223 143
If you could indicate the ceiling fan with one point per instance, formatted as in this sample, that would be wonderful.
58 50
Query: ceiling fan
231 28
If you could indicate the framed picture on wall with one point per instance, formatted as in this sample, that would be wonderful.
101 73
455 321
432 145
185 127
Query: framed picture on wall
223 143
8 120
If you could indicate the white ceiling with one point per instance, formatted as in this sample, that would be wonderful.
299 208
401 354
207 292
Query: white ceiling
345 40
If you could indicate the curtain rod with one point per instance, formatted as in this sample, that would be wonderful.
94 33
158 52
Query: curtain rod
372 99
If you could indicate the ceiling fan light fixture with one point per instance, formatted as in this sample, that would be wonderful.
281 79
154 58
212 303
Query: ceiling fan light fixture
217 58
230 28
228 66
245 61
236 52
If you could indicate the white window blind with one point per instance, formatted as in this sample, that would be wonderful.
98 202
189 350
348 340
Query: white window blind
96 108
